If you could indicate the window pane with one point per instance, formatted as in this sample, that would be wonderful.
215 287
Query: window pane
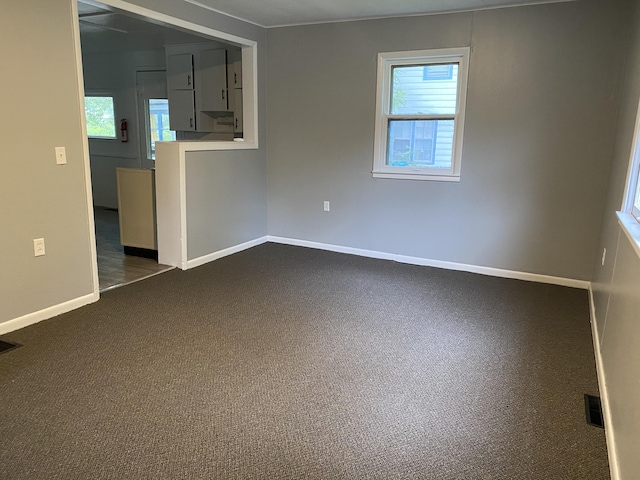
420 143
636 199
158 124
100 117
424 89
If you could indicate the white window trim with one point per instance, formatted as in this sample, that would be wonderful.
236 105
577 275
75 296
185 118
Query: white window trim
102 93
633 173
386 61
629 216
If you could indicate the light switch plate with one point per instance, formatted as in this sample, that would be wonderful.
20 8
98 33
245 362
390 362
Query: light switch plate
61 156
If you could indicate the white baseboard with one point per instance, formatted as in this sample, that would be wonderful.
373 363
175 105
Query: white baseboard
196 262
35 317
46 313
494 272
331 248
604 395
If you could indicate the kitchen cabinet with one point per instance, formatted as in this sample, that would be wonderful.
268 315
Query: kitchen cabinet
234 62
213 80
180 72
180 82
137 208
234 75
182 116
237 110
205 94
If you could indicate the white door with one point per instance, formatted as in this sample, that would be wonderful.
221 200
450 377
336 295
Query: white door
153 113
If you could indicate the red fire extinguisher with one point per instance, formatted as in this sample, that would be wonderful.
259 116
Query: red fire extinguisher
124 134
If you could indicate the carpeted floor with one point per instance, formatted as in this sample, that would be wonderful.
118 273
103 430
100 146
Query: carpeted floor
288 363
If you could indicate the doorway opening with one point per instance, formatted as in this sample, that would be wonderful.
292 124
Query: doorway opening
115 268
125 59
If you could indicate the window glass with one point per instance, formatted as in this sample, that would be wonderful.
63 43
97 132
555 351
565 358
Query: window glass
100 117
636 200
158 126
414 93
420 143
631 203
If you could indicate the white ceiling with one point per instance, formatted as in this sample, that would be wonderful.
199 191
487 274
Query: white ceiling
273 13
105 29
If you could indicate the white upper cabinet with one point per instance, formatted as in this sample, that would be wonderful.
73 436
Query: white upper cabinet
213 78
182 116
205 88
237 110
234 61
180 71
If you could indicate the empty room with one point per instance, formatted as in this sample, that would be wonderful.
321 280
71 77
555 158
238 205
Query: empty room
396 240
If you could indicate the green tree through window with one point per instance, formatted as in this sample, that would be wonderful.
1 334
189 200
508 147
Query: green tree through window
100 117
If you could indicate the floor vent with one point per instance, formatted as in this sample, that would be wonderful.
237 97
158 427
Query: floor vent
593 409
6 346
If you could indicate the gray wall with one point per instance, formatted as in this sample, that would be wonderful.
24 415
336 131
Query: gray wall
538 136
41 110
226 200
115 72
616 285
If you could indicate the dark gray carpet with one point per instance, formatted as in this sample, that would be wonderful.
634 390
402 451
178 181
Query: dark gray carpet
288 363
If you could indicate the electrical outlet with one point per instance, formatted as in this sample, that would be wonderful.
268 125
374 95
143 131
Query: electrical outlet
604 254
327 206
38 247
61 156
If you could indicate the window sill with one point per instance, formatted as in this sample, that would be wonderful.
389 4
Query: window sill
416 176
631 228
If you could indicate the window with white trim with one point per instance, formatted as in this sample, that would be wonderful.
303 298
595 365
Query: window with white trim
420 108
635 205
631 204
101 121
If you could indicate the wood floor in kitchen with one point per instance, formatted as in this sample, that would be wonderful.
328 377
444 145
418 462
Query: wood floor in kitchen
114 267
